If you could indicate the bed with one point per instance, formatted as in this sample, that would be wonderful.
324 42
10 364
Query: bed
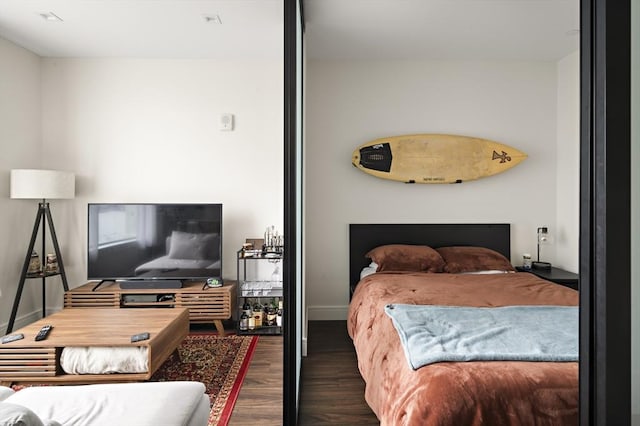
452 393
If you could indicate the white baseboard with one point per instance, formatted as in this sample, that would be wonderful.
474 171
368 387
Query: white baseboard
23 320
327 313
26 319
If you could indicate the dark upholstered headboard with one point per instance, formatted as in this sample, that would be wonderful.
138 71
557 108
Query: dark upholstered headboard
364 237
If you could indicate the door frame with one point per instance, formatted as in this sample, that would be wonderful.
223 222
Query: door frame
291 287
605 218
605 263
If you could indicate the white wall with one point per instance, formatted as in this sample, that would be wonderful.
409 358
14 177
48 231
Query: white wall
20 146
567 230
137 130
140 130
350 103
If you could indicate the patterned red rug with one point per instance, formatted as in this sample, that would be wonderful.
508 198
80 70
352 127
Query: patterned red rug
221 363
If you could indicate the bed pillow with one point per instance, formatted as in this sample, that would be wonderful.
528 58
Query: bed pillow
473 259
403 257
488 272
368 270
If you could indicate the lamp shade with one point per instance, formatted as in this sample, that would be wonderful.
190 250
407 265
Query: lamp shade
42 184
544 237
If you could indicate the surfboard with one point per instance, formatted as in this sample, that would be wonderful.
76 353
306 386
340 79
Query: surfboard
435 158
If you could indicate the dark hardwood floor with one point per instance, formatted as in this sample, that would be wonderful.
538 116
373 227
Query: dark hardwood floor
260 398
332 391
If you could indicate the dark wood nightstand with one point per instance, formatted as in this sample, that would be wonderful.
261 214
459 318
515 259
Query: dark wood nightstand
557 275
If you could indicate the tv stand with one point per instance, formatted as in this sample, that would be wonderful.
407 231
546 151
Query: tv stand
206 305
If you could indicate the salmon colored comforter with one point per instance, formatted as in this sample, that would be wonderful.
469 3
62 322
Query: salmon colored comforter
458 393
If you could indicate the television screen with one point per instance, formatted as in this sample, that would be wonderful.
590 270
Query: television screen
154 241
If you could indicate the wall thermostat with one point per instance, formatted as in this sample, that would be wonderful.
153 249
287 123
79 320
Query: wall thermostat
226 122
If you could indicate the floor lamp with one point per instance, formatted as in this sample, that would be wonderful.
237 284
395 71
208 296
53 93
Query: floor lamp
40 185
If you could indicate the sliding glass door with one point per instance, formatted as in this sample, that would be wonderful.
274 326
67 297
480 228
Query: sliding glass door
293 215
607 229
605 219
635 212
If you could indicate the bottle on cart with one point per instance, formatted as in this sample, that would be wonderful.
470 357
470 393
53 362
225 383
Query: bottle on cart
275 311
265 317
258 314
251 323
279 314
244 322
271 314
246 308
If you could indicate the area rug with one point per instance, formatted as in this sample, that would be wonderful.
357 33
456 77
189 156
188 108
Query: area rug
221 363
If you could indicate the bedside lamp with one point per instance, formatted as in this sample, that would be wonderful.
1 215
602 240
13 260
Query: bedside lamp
40 185
544 238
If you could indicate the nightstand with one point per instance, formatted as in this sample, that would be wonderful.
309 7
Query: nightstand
557 275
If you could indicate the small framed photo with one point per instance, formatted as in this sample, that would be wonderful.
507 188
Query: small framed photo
256 242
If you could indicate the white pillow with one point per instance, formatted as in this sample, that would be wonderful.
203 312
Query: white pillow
487 272
368 270
17 415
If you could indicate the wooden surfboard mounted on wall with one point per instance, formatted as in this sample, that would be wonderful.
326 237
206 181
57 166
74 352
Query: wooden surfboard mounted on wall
434 158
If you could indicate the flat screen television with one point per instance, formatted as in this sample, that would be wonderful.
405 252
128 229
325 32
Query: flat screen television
147 242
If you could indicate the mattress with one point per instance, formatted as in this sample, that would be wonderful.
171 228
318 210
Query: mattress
469 393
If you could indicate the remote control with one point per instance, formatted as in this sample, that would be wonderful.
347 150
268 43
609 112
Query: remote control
140 336
43 333
12 338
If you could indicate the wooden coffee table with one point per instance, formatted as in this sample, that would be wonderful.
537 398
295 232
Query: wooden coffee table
39 362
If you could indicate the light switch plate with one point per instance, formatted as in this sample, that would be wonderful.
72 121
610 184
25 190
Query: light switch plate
226 122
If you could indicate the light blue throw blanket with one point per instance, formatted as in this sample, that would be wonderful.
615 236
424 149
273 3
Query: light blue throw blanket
432 334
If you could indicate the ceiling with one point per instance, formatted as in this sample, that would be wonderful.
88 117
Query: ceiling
442 29
335 29
146 28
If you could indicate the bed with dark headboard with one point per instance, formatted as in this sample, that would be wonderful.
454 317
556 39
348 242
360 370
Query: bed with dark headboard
471 392
364 237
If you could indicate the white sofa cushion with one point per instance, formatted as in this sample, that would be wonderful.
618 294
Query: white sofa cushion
17 415
140 404
5 392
